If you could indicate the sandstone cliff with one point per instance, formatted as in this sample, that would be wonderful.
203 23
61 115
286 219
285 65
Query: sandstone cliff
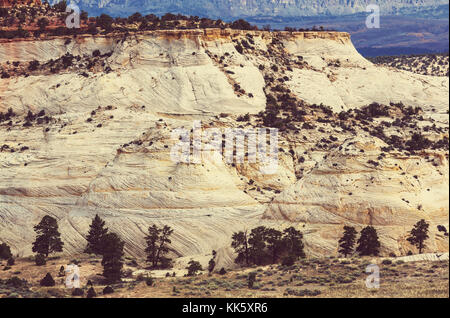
105 147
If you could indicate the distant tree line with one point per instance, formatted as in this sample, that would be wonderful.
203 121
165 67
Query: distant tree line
369 244
99 242
260 246
264 246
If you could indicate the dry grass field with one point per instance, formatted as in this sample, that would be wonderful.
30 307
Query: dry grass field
325 277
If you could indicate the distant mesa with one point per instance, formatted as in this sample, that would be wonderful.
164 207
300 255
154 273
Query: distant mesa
10 3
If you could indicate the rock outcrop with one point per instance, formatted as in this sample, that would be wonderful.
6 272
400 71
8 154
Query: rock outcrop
348 188
105 144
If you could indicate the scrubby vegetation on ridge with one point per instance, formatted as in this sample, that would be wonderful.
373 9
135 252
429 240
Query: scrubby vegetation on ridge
425 64
95 62
23 21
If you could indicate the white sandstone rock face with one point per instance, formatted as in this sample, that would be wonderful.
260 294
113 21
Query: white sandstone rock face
172 72
116 161
346 189
75 176
357 82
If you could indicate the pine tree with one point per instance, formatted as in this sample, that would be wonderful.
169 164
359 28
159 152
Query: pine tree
212 262
275 243
158 245
241 248
419 234
368 243
5 251
105 22
211 265
10 262
152 245
48 238
42 24
267 245
164 242
47 281
347 241
257 245
193 267
293 243
91 293
97 231
112 251
40 260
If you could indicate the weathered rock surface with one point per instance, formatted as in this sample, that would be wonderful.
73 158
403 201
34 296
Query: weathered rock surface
115 161
345 188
